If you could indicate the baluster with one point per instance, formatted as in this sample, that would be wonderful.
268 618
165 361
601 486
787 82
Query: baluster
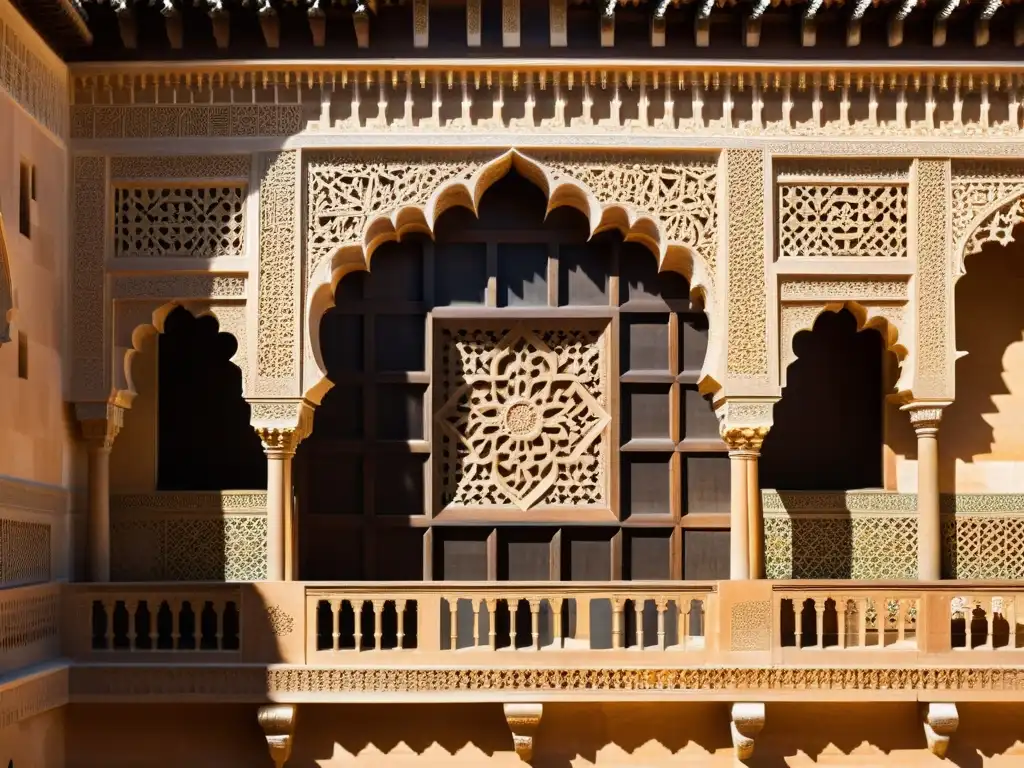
453 623
819 623
841 621
513 610
476 622
1011 620
176 606
661 605
535 622
638 616
378 617
400 606
219 607
556 606
990 637
684 608
151 624
132 607
109 606
616 623
492 609
798 625
336 605
357 619
862 622
900 620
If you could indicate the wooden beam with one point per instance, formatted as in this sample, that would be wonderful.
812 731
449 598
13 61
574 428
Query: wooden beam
510 23
473 21
559 23
420 23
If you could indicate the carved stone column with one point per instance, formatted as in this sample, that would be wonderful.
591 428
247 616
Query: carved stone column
746 519
281 426
278 724
925 418
100 424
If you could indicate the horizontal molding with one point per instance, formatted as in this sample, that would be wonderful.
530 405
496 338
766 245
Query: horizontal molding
16 493
189 503
845 503
33 691
259 683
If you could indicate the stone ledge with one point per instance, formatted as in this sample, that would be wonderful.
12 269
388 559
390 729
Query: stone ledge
260 683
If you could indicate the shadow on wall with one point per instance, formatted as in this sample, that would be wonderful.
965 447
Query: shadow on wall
986 421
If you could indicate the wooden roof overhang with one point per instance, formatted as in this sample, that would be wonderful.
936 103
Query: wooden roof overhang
879 30
62 23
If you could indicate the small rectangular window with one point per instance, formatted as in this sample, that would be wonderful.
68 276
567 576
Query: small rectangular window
33 184
22 355
25 201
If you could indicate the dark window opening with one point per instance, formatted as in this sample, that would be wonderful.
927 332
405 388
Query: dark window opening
22 355
837 379
205 439
25 197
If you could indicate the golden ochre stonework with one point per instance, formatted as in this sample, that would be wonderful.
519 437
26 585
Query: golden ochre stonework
257 683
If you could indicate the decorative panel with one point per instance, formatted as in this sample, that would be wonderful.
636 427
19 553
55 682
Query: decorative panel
39 87
839 220
535 397
87 252
983 546
152 121
203 222
25 552
935 348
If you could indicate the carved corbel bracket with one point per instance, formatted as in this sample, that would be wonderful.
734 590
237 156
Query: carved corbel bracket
221 21
278 724
523 720
175 28
100 423
747 722
940 722
270 23
126 26
361 22
318 26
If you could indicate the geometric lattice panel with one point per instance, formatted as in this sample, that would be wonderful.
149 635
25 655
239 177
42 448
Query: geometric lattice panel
198 222
230 548
835 547
24 553
834 220
983 547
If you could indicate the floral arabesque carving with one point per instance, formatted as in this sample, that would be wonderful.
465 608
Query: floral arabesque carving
988 202
355 203
523 420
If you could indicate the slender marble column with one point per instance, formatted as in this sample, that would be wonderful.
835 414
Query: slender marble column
279 445
925 419
100 424
746 537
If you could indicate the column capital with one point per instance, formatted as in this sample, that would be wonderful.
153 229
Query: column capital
744 440
100 423
281 424
925 415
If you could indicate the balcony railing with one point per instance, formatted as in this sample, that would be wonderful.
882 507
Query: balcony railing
671 624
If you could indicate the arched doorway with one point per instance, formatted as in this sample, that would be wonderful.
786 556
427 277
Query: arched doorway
513 336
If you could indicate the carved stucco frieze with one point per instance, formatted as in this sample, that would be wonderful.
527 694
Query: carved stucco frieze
183 287
32 75
166 121
933 378
183 167
747 356
863 290
277 324
987 203
87 327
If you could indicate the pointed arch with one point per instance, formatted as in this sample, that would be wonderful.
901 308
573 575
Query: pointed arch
677 222
888 320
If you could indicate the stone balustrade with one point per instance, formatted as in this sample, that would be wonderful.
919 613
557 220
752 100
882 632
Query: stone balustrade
757 623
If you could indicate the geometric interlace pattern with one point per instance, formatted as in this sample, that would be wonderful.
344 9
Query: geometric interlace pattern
201 222
842 220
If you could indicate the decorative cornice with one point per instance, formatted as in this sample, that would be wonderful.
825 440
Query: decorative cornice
189 503
259 683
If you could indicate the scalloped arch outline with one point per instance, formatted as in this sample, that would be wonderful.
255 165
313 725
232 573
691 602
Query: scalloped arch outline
867 317
124 388
466 192
962 246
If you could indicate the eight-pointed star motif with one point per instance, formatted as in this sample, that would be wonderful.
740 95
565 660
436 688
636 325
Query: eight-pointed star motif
522 420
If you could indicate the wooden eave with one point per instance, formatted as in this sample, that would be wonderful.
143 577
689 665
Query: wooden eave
62 23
